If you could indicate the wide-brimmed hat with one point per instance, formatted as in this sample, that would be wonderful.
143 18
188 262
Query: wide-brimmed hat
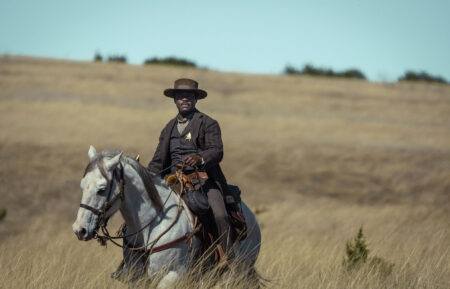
185 84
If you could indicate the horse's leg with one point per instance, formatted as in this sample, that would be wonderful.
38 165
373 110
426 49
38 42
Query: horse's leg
169 280
133 267
168 265
135 264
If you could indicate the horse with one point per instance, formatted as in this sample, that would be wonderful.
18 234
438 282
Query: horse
157 220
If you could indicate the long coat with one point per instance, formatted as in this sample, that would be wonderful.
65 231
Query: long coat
205 133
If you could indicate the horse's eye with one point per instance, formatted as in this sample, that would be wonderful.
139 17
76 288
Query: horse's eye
101 191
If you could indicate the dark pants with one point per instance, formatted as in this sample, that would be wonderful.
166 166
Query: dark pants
217 204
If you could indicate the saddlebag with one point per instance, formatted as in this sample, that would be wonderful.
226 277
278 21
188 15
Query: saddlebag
237 220
196 201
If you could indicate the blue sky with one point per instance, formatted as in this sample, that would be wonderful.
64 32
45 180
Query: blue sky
381 38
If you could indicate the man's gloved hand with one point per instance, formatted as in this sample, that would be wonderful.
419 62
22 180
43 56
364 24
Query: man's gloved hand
193 160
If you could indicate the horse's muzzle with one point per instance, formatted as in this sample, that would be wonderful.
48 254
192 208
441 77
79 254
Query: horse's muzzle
82 234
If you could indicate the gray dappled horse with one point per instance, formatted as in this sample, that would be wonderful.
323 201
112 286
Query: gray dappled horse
149 207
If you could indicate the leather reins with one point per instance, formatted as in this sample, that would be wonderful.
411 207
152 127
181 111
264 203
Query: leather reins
102 223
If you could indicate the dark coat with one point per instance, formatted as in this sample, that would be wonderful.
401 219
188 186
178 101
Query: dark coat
205 133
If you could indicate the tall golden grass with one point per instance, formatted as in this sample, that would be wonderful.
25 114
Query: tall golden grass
316 159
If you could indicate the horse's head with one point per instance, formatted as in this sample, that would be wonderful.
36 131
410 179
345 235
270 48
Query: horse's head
101 188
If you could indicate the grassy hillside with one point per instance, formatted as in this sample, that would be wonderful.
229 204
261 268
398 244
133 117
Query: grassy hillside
316 158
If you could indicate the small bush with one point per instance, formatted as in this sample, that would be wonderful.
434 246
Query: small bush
2 213
315 71
352 73
310 70
291 70
259 210
357 253
170 61
98 57
383 267
117 58
421 76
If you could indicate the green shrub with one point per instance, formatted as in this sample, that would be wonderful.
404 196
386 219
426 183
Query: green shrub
315 71
117 58
357 254
98 57
352 73
170 61
421 76
291 70
382 266
259 210
2 213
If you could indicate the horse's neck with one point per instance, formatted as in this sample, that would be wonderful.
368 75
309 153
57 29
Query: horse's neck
138 209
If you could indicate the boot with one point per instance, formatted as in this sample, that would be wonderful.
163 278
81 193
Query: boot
225 249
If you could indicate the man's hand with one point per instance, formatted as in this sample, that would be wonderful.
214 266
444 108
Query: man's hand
192 160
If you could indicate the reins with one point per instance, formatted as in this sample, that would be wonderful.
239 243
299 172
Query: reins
102 224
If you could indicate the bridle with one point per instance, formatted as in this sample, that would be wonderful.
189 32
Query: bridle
101 213
103 221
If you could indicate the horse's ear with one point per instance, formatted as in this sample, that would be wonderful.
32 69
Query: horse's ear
92 153
112 163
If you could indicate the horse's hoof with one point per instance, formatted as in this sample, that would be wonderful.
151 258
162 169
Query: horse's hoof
120 275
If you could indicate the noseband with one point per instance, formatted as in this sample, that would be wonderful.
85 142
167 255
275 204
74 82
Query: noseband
101 213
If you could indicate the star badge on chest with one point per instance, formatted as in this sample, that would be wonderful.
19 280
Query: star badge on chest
188 136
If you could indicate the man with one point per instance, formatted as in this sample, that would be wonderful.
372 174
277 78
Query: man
194 138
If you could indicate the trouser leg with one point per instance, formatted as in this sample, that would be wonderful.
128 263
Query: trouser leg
217 204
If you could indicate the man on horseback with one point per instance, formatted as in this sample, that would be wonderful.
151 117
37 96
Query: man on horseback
194 139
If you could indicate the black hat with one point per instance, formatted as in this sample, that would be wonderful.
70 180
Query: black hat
185 84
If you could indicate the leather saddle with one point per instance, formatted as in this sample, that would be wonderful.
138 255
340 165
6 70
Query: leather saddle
188 186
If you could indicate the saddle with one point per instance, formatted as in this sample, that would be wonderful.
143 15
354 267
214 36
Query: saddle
189 187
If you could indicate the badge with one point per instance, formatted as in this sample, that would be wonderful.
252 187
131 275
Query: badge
188 136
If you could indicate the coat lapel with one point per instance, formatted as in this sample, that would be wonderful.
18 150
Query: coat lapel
169 128
165 146
196 122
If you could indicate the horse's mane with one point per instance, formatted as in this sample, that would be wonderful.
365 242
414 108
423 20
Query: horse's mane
147 178
142 171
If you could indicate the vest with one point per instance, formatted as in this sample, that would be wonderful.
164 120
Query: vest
180 145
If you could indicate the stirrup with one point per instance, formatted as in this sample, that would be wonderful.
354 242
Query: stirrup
224 261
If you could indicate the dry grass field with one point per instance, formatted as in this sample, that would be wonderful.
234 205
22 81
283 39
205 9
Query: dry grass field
316 158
